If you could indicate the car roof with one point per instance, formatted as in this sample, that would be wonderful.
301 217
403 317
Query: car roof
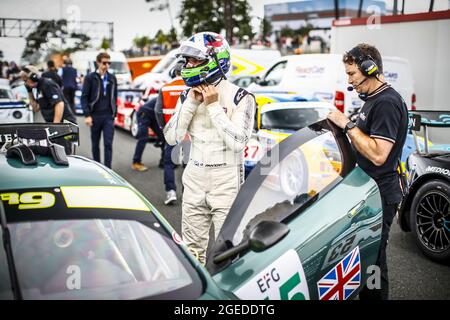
80 172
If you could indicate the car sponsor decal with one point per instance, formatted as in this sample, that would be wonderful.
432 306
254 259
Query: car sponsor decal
390 76
341 281
438 170
242 65
304 71
240 94
29 200
103 197
342 246
253 151
284 279
120 198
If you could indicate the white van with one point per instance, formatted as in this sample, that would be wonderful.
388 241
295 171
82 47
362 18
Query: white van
323 76
84 62
244 62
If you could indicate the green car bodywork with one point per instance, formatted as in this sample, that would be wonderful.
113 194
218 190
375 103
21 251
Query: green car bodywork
290 226
85 172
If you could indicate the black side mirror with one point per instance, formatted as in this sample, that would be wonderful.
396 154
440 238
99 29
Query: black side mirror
262 82
264 235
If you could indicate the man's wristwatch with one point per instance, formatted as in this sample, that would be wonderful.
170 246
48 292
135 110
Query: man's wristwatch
350 125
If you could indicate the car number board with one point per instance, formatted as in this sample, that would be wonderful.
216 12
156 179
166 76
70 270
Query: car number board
284 279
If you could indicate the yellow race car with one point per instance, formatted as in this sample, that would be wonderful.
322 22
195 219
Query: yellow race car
279 116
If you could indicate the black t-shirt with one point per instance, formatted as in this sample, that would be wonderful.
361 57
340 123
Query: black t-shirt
385 116
50 74
49 94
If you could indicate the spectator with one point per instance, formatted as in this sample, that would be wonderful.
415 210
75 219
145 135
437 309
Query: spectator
52 73
98 100
4 70
13 72
69 81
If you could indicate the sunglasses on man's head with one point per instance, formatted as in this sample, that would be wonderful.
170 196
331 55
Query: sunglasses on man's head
106 62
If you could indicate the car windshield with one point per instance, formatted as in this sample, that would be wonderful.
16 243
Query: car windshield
93 259
437 132
163 64
289 182
92 242
118 67
292 119
438 142
20 92
274 75
6 94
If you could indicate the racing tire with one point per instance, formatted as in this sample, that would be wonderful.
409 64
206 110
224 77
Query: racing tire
294 174
134 125
430 219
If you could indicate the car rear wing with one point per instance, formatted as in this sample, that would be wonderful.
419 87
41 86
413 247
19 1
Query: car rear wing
427 119
55 131
431 118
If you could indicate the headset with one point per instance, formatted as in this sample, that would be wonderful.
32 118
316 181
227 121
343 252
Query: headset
31 75
366 64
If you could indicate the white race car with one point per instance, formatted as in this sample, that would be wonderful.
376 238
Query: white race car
13 110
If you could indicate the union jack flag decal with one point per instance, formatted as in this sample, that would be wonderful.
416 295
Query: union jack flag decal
340 282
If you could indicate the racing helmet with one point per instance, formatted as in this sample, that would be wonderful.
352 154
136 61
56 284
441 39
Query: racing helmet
208 46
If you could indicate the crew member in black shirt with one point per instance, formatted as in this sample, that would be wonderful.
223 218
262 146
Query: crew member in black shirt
377 138
50 99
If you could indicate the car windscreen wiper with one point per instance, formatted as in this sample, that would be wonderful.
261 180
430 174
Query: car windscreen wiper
9 254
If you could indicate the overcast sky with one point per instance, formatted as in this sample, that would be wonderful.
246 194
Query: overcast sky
130 17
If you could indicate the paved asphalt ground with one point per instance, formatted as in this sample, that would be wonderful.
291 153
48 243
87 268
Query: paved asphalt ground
412 275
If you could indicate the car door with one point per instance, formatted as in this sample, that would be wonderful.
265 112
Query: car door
308 185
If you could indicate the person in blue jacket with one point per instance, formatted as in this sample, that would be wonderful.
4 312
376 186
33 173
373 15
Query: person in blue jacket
98 100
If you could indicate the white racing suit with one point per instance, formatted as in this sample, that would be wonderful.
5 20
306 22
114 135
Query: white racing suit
219 133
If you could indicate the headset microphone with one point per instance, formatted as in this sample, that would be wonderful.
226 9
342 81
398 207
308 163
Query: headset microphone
351 88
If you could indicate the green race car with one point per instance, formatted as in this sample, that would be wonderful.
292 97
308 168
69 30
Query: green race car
305 225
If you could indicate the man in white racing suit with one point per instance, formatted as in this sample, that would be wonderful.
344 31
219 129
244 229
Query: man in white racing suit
218 116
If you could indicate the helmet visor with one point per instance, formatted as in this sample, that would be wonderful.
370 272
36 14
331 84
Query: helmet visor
191 52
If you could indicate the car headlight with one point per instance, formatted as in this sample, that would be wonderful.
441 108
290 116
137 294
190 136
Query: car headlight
17 114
